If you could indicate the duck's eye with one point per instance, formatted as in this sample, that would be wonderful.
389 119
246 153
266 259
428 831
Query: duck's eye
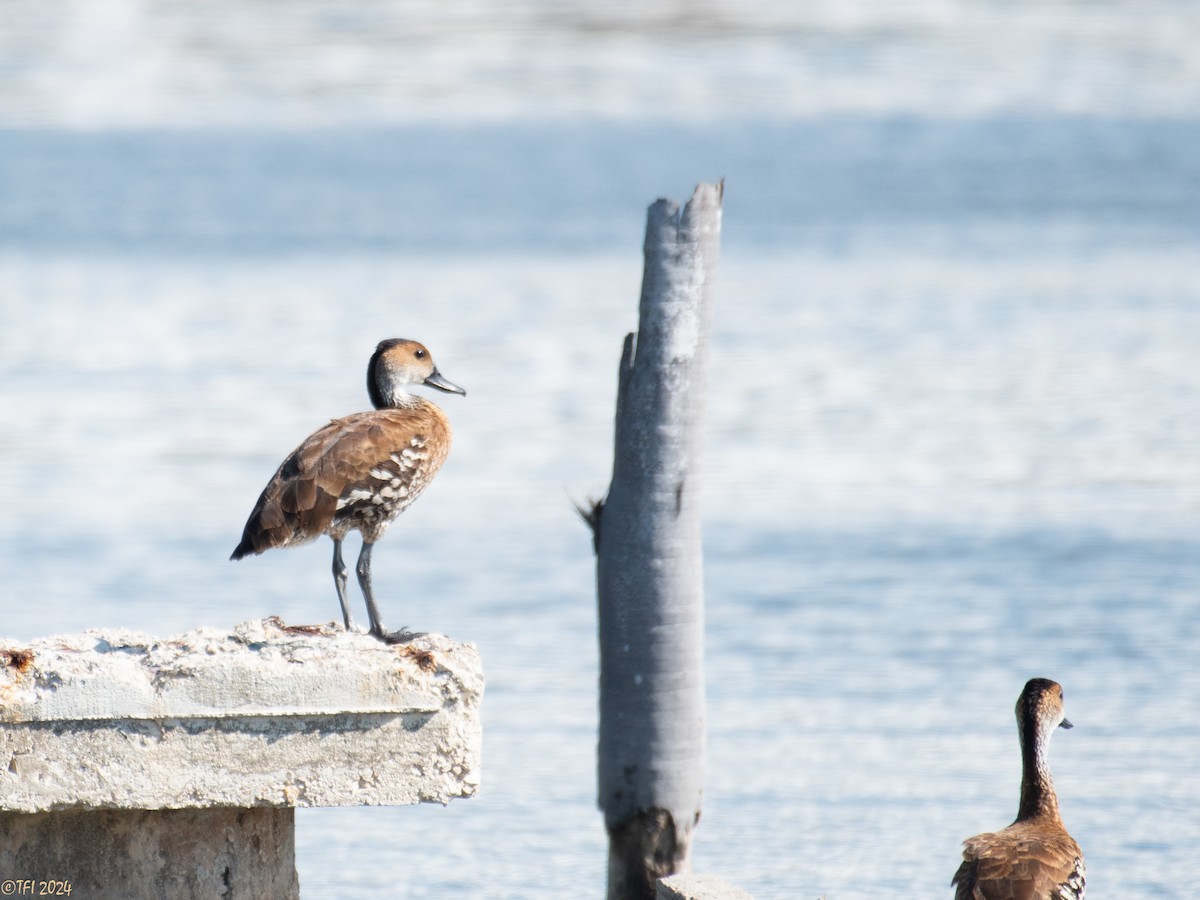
420 354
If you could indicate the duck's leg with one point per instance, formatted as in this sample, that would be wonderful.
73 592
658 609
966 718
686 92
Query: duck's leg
363 570
339 581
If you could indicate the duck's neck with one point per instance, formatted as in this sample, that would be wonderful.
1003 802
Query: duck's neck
1038 799
391 397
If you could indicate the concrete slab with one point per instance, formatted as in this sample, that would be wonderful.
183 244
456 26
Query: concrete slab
265 715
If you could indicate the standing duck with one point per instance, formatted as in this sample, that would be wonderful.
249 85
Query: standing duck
1034 858
359 472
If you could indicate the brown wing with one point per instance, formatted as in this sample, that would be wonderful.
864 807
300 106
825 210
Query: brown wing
1020 863
367 466
299 501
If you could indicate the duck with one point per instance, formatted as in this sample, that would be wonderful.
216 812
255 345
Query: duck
1034 858
359 472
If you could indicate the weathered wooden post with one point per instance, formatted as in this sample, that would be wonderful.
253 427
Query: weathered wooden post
649 565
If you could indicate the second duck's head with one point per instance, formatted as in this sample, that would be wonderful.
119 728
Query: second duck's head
397 364
1040 708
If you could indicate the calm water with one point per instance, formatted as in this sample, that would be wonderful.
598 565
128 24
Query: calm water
954 433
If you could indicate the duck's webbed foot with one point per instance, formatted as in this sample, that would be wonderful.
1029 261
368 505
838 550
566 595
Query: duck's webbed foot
402 636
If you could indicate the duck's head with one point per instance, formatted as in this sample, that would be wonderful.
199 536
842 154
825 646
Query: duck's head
396 365
1040 707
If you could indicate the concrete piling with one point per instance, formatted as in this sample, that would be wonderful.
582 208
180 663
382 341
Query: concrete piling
134 766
